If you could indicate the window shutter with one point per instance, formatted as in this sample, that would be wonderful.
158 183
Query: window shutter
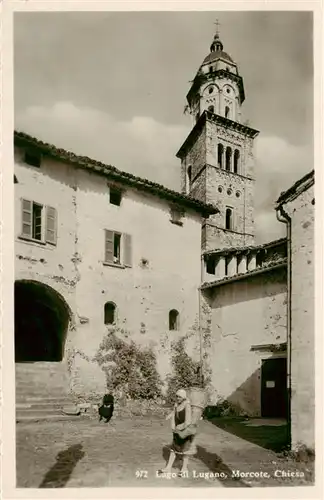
51 226
109 246
127 250
27 218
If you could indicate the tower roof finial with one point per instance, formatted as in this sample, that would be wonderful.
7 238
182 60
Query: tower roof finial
217 44
217 23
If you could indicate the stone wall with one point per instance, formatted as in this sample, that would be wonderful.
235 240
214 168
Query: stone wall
196 158
240 315
165 272
301 211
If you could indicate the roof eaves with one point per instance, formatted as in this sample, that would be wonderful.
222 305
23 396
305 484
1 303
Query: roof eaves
250 248
108 170
237 277
296 189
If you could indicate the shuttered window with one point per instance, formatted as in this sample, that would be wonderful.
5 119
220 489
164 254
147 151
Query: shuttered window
127 239
27 218
51 218
118 248
33 221
109 246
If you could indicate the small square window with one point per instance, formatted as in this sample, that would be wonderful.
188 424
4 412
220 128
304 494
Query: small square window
33 158
115 196
176 216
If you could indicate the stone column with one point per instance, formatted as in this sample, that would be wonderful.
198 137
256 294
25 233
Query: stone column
204 275
231 268
220 268
252 262
242 267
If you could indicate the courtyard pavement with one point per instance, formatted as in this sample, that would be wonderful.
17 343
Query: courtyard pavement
128 452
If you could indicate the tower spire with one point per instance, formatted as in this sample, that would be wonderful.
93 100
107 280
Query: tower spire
216 44
217 24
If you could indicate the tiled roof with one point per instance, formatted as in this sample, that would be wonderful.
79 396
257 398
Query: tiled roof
297 188
247 249
25 140
270 266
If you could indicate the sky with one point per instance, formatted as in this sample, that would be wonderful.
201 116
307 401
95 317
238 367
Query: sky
113 85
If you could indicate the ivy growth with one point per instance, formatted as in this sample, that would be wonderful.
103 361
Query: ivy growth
130 370
186 371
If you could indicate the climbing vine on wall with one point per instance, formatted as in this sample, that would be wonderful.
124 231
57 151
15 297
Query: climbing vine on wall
186 371
130 369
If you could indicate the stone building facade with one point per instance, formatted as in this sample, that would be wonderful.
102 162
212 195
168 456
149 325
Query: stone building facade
295 207
98 248
107 248
217 161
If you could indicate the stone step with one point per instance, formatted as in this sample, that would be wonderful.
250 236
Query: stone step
44 386
40 364
42 406
23 395
39 411
46 418
43 400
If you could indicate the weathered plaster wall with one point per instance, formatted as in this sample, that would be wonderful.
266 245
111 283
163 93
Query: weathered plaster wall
244 314
143 294
301 211
54 185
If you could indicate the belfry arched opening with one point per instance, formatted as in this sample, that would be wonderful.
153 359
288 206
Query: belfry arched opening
41 322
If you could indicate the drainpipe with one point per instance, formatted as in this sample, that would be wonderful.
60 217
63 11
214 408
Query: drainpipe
282 216
199 320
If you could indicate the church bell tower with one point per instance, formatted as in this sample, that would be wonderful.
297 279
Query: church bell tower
217 162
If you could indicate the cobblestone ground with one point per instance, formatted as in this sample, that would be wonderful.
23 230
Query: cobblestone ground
128 452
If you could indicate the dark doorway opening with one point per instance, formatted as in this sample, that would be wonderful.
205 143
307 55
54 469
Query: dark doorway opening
41 322
274 394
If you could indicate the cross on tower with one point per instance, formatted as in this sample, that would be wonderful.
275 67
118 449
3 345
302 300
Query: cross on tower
217 23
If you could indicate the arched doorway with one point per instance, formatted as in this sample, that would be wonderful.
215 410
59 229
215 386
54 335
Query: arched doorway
41 322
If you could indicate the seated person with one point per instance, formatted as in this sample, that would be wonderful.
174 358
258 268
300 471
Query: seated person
107 408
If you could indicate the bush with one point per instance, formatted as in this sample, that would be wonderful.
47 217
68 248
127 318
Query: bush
130 371
186 372
223 408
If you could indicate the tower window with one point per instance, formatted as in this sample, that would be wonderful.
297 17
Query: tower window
110 309
220 151
173 320
210 69
197 117
228 158
236 161
211 109
227 111
229 218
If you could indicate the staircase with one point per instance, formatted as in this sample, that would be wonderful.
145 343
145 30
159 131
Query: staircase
42 391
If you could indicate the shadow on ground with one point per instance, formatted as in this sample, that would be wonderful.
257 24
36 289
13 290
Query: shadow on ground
59 474
273 438
214 464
